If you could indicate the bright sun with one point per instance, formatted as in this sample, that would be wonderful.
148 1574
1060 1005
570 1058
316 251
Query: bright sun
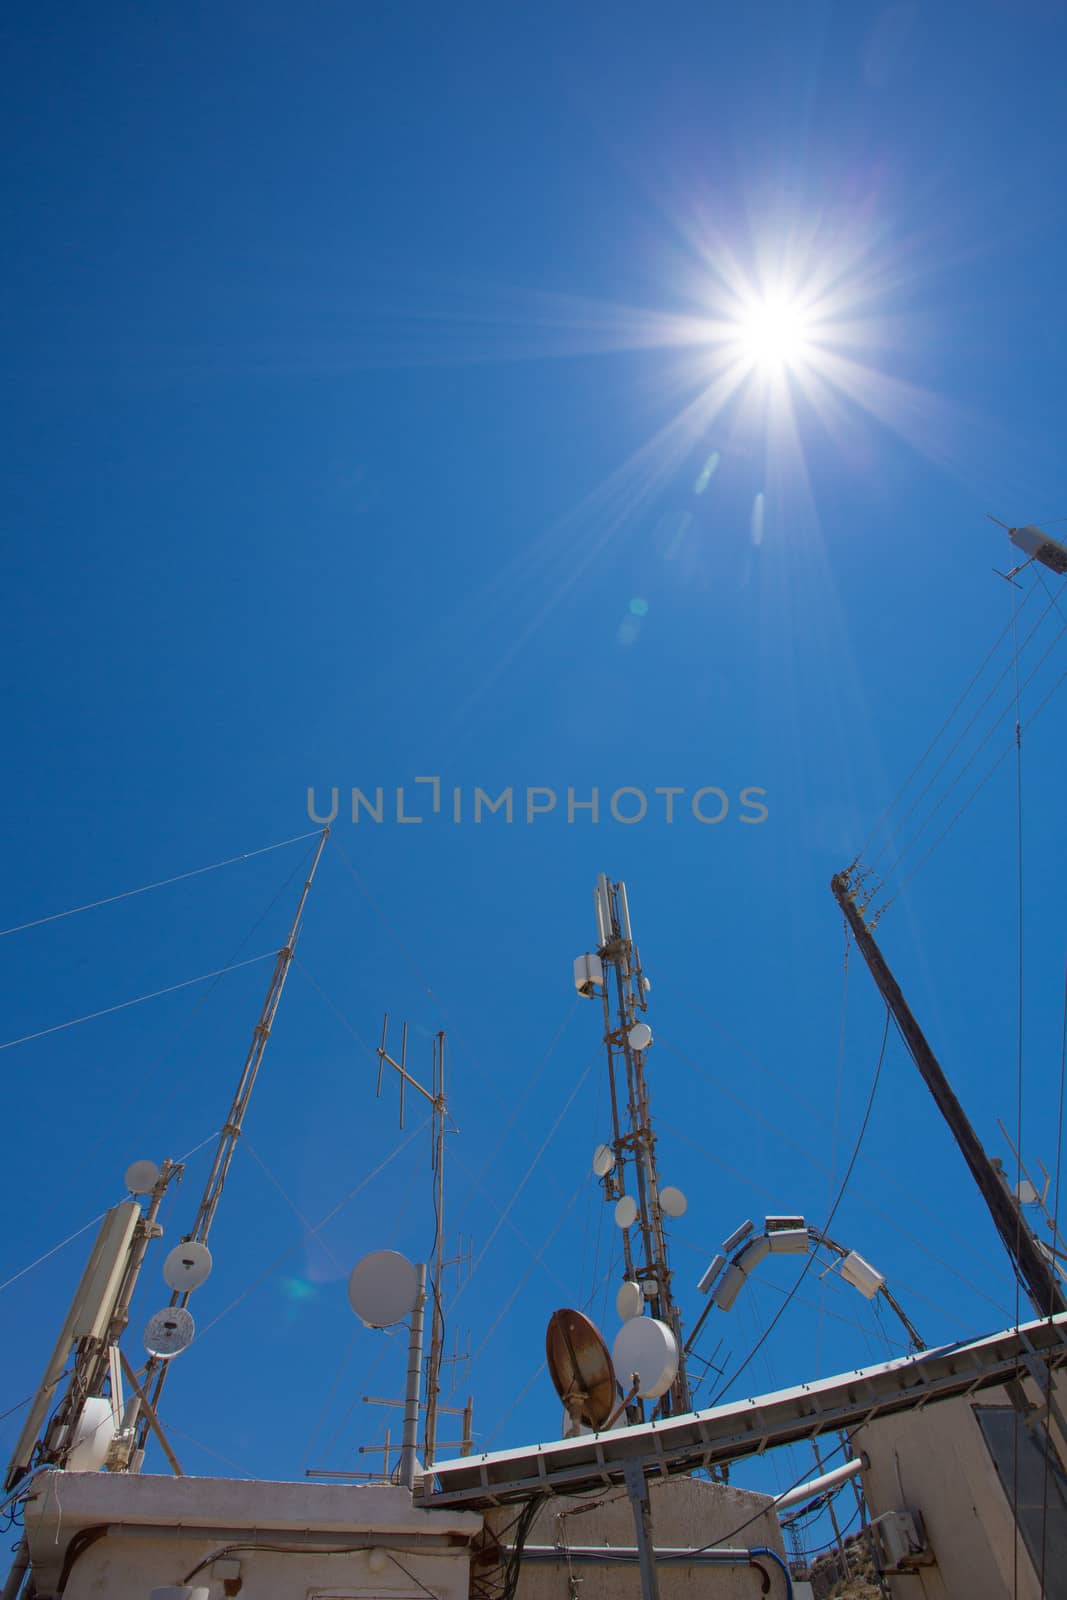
773 333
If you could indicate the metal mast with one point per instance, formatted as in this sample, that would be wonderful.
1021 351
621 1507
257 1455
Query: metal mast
439 1123
1035 1273
155 1373
624 993
437 1320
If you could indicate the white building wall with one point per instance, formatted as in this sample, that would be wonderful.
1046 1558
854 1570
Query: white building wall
99 1534
936 1460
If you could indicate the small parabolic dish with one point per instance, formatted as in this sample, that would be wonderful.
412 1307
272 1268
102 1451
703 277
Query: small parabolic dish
672 1202
640 1036
141 1177
603 1160
648 1349
383 1288
629 1302
92 1436
169 1332
580 1368
187 1266
626 1211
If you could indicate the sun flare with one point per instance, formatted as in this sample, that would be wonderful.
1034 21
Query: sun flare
773 333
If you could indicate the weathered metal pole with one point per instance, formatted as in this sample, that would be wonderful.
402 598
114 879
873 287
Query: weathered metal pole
433 1368
637 1489
1035 1274
409 1446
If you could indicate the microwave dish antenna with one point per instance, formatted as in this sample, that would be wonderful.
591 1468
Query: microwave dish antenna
647 1351
169 1332
187 1266
141 1177
580 1368
93 1434
630 1300
603 1160
383 1288
626 1211
672 1202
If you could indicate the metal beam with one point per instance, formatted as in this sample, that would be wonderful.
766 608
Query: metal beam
1036 1275
744 1427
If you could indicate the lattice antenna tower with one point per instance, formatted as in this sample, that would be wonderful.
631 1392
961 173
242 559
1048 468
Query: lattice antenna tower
627 1037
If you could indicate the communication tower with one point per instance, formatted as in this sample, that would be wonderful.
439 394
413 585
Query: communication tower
627 1166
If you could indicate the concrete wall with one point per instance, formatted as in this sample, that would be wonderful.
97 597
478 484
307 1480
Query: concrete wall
154 1531
686 1513
937 1461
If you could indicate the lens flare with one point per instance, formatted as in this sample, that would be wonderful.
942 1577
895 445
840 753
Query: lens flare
774 333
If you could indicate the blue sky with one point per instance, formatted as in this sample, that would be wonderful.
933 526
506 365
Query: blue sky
380 405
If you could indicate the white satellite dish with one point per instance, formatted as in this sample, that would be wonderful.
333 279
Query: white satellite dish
93 1434
141 1177
187 1266
647 1349
640 1036
672 1202
383 1288
626 1211
169 1332
629 1302
603 1160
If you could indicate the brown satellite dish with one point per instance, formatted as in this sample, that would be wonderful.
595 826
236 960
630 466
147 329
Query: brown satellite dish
580 1368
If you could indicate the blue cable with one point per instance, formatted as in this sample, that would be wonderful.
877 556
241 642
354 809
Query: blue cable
762 1550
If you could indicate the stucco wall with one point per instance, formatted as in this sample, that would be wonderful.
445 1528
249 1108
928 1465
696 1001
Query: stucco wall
156 1530
686 1513
937 1461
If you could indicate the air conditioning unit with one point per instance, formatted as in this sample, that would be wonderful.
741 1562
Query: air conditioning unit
902 1541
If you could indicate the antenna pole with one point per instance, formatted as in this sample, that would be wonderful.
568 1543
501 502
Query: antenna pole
1036 1276
433 1370
155 1374
410 1442
634 1139
439 1118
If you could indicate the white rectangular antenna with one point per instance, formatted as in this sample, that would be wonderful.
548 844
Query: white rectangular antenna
602 932
624 913
711 1274
731 1244
602 902
89 1317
